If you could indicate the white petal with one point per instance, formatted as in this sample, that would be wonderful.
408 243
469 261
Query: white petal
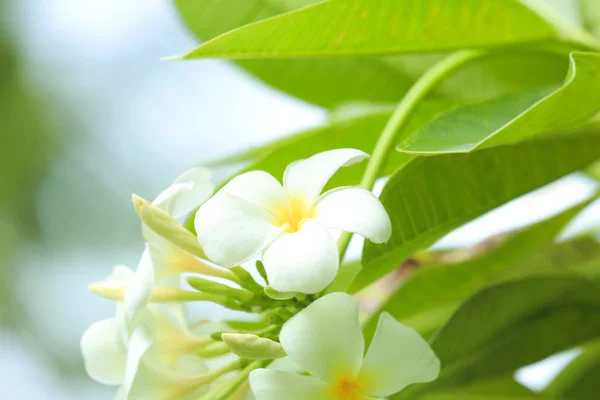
172 338
139 346
183 383
397 357
169 259
356 210
308 177
189 190
258 188
138 292
305 261
285 364
277 385
120 273
121 394
104 355
325 338
232 230
148 379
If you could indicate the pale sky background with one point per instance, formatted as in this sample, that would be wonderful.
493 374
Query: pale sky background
136 124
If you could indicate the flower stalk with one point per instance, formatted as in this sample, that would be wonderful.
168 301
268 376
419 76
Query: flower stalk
387 141
228 388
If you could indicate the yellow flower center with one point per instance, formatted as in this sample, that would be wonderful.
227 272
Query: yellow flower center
347 388
293 214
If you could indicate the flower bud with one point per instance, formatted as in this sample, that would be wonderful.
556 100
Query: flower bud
115 290
253 347
166 226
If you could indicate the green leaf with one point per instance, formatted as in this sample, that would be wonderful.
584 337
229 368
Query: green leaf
594 170
346 274
433 292
579 380
323 82
504 388
358 27
431 196
590 12
511 325
330 83
515 117
360 132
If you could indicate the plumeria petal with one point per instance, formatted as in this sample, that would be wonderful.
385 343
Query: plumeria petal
103 352
187 192
232 230
305 261
139 346
356 210
325 339
121 394
117 281
308 177
138 292
257 187
184 383
277 385
170 260
172 338
158 222
120 273
398 357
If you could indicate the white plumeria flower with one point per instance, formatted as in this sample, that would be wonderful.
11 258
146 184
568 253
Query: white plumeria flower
186 193
159 350
289 223
162 258
325 339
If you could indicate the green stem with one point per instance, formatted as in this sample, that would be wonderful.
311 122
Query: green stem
216 288
228 388
213 375
246 279
213 350
398 120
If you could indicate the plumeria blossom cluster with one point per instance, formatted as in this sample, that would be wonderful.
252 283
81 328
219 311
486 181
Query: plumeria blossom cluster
287 319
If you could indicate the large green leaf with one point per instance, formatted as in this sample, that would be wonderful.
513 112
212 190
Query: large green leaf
359 132
496 389
432 293
579 380
319 81
329 83
430 196
514 117
358 27
511 325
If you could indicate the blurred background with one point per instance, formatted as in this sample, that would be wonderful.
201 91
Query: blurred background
88 116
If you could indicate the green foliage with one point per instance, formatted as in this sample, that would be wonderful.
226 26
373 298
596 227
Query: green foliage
521 115
354 27
495 389
508 326
579 380
383 79
358 132
431 294
431 196
515 117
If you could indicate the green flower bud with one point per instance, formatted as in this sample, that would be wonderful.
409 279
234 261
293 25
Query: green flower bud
253 347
